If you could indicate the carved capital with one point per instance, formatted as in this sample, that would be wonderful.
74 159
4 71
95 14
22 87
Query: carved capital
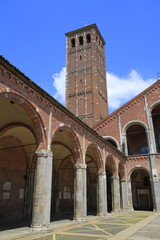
80 166
44 153
115 177
99 174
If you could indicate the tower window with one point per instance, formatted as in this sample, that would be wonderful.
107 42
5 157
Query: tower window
80 40
88 38
80 57
73 42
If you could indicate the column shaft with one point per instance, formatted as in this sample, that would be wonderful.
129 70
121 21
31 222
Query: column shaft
155 184
42 191
130 201
80 199
101 195
124 195
115 194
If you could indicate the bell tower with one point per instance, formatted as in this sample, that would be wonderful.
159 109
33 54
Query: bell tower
86 90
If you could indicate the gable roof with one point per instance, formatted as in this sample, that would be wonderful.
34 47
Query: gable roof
140 95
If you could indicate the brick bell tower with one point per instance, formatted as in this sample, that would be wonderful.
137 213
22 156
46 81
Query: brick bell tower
86 92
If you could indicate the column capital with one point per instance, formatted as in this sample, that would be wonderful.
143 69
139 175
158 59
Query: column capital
115 177
44 153
80 166
123 180
101 173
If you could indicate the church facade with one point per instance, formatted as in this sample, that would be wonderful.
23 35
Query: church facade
78 160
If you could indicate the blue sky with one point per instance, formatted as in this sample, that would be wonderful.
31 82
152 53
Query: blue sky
32 38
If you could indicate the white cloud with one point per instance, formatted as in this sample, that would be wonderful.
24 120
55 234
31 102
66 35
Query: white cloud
59 85
120 89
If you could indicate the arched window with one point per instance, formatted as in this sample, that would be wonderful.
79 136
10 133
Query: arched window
112 142
73 43
80 40
156 125
88 38
137 140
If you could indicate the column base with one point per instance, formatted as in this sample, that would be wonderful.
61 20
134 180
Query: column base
156 210
116 211
40 228
127 210
102 214
80 219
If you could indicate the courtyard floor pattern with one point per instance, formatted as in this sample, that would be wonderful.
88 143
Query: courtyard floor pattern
124 226
103 229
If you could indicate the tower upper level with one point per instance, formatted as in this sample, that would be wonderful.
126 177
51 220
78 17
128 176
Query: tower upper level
86 93
83 38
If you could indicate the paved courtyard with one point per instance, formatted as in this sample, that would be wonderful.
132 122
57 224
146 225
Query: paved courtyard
130 226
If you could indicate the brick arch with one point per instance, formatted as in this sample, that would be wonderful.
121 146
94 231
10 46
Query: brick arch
138 168
129 124
16 124
31 111
113 139
111 163
16 141
77 150
122 170
98 156
154 105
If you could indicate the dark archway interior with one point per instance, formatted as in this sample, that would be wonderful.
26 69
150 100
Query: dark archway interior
62 200
17 165
141 190
109 190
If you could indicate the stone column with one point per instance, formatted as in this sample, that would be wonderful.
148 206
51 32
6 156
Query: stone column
42 191
124 195
80 193
124 147
115 194
155 184
130 201
101 194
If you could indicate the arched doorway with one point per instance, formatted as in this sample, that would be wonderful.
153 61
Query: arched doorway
141 190
122 182
137 140
110 168
64 148
17 163
92 158
156 124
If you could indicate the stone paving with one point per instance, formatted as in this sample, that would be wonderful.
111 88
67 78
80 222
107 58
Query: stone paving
128 226
104 228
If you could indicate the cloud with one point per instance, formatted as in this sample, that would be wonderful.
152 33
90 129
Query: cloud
59 85
120 89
